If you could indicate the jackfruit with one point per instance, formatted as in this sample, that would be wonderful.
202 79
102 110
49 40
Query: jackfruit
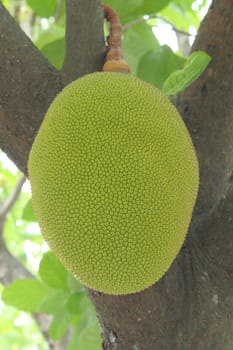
114 179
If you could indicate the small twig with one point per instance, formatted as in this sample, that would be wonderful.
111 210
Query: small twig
114 61
7 205
145 19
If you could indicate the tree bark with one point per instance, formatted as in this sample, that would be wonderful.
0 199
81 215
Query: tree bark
84 39
191 306
28 85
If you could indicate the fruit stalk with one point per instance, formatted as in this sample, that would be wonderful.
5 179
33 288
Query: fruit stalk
114 61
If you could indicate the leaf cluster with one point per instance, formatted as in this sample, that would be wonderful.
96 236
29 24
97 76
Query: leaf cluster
57 293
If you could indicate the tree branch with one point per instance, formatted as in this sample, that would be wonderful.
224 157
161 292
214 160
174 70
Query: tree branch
207 107
28 83
85 47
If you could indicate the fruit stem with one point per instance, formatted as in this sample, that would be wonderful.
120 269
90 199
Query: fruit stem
114 61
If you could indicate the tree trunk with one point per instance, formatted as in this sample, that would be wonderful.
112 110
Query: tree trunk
191 307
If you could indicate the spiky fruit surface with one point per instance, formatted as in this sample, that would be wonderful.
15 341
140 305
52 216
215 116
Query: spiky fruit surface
114 180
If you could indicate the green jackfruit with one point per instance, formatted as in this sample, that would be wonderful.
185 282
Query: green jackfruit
114 179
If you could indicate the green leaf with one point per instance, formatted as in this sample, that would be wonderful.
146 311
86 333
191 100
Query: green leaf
180 17
181 79
52 271
86 335
50 35
133 9
148 7
137 40
28 212
7 4
25 294
73 284
157 64
78 303
43 8
54 52
54 301
126 10
89 336
59 325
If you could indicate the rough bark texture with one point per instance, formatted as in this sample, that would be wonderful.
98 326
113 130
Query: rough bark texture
191 306
84 43
207 107
28 83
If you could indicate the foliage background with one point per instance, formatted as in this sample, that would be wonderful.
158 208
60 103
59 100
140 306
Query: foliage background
157 36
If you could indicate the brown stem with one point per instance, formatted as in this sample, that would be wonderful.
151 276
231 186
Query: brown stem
114 61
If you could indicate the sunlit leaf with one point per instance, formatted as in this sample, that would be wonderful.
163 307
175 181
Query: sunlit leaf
53 301
59 325
43 8
149 7
73 284
156 65
180 17
25 294
54 52
6 3
133 9
137 40
28 212
48 36
181 79
89 336
52 271
126 10
78 303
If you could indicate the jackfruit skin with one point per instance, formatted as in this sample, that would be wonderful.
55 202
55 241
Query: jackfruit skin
114 179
